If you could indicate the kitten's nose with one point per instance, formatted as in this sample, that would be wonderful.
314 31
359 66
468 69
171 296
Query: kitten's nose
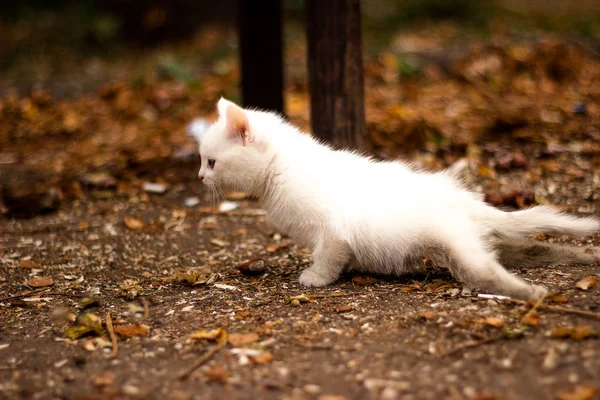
201 177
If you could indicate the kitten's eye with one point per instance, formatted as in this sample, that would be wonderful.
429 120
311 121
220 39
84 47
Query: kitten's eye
211 163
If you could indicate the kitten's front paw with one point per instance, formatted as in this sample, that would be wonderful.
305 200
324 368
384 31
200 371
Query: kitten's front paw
309 277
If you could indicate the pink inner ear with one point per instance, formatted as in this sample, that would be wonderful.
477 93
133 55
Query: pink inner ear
237 124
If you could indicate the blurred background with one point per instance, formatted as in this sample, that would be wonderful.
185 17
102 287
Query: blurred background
99 93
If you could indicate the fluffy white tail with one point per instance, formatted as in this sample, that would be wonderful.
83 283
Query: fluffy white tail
520 224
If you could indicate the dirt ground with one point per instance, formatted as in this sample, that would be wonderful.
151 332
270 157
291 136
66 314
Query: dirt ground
146 263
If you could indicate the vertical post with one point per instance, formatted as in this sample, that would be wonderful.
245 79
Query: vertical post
336 72
261 50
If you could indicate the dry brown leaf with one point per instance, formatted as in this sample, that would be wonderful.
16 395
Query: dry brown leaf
133 223
104 379
496 322
40 282
218 374
343 308
558 298
242 339
131 330
299 299
29 264
276 247
579 393
263 358
532 318
216 335
574 332
587 283
364 280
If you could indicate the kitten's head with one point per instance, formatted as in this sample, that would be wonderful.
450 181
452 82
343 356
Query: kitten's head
233 152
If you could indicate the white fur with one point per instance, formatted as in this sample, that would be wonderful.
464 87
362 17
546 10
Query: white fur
355 212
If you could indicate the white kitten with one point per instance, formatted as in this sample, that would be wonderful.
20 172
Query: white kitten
380 217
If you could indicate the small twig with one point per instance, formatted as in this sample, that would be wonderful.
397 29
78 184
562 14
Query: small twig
28 293
321 296
113 337
533 309
558 309
470 346
146 308
205 357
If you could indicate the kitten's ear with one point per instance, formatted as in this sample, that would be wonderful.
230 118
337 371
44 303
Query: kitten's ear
236 121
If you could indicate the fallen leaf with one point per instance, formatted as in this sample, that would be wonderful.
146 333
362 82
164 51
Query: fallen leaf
573 332
343 308
558 298
130 289
85 323
242 339
364 280
29 264
216 335
197 276
580 393
263 358
587 283
40 282
276 247
496 322
218 242
532 318
133 223
300 299
131 330
104 378
219 375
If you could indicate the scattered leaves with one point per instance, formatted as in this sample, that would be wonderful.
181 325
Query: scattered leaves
40 282
587 283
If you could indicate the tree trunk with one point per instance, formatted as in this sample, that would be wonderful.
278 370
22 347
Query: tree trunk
261 51
336 72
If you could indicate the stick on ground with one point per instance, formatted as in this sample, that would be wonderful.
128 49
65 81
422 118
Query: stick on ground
205 357
113 337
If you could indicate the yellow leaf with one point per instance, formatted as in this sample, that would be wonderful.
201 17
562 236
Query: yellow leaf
216 335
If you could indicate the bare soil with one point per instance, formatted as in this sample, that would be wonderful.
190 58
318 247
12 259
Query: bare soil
413 337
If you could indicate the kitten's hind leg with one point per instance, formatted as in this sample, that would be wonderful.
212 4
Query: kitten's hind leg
473 264
330 256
